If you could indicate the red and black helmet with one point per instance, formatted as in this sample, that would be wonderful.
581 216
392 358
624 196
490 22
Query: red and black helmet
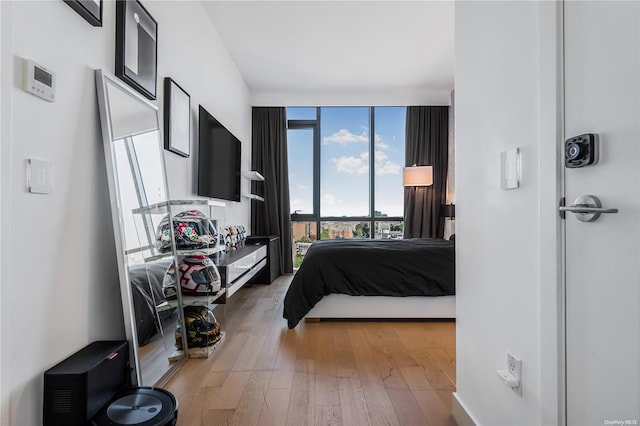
199 276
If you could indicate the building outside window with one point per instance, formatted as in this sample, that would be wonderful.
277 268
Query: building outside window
345 173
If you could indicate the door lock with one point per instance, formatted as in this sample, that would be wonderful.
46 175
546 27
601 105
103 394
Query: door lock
580 151
587 208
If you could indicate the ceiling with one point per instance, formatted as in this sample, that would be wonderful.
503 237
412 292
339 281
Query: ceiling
312 46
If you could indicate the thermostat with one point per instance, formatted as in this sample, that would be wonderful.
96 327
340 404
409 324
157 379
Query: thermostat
39 81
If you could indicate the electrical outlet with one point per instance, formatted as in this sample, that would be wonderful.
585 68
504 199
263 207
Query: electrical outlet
514 366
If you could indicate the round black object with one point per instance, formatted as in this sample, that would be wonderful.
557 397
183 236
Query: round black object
143 406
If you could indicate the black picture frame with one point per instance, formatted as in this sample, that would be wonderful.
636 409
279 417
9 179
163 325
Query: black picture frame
177 118
136 47
91 10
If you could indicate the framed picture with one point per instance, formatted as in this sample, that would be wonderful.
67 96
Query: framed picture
136 47
177 118
91 10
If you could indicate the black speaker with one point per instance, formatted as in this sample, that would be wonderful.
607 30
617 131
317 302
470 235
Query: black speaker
78 387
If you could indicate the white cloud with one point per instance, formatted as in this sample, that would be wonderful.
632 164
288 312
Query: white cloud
328 198
295 202
344 136
302 187
381 144
384 166
353 165
360 165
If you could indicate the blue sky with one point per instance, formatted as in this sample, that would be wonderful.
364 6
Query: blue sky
344 171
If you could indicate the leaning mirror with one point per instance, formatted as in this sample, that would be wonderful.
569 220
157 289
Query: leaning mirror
139 203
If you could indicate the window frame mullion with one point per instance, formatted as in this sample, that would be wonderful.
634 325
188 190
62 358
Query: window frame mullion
372 169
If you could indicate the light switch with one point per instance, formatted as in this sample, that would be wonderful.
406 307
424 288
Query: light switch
39 176
510 169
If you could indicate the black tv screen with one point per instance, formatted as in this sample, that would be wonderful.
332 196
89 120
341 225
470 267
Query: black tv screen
218 159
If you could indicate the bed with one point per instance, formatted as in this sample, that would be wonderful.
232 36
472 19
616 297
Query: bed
396 275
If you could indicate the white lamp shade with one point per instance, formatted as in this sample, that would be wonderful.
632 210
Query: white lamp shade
417 176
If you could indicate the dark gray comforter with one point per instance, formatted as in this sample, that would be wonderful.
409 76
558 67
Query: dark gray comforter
411 267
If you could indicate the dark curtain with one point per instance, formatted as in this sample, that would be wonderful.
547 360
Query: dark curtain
269 158
427 136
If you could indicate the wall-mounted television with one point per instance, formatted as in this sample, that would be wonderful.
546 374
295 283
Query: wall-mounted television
218 159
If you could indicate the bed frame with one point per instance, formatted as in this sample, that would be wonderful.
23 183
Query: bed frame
346 306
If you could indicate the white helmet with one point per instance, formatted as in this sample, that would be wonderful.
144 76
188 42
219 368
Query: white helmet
199 276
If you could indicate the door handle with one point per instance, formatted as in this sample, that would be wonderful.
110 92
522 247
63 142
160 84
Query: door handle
584 208
587 208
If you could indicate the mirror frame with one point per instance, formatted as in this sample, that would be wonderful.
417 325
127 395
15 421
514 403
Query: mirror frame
102 79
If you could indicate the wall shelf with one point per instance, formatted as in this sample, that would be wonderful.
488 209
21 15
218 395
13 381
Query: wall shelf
198 352
253 197
192 301
252 175
205 251
206 351
164 206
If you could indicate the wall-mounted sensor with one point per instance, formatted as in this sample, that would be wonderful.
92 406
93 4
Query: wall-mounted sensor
38 176
510 169
580 151
39 81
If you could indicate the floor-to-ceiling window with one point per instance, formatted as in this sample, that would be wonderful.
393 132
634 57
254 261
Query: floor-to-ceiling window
345 173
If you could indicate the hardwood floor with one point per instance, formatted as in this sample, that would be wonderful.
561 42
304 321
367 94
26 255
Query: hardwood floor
327 373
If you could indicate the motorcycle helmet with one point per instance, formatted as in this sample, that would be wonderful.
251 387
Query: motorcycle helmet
202 328
199 276
192 230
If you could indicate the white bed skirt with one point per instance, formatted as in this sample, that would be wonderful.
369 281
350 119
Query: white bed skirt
345 306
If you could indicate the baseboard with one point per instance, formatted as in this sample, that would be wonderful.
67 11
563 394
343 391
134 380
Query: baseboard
459 413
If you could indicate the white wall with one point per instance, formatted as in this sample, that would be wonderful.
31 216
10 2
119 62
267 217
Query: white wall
506 269
3 107
356 98
205 70
59 273
450 223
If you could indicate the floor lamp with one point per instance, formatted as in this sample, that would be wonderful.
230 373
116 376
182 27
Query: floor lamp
414 176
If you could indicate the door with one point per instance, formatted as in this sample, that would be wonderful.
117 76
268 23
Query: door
602 96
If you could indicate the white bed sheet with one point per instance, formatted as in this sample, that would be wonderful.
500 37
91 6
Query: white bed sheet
346 306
